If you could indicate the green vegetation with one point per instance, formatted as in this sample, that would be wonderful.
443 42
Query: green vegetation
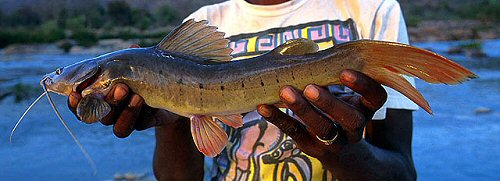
486 11
417 11
45 33
84 37
86 24
474 45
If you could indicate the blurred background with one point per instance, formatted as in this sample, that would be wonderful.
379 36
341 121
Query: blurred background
460 142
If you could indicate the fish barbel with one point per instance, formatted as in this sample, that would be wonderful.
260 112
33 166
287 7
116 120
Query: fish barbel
190 73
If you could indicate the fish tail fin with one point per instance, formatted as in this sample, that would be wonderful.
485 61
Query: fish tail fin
386 62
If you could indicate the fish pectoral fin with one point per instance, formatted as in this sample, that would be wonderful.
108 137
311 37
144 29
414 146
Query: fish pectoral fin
92 108
299 46
198 39
208 136
235 120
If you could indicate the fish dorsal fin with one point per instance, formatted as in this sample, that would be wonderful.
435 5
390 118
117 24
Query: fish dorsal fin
299 46
197 38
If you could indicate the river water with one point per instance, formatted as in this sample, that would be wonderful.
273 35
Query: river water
454 144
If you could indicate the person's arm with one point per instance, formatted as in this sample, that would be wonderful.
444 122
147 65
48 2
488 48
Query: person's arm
350 157
176 156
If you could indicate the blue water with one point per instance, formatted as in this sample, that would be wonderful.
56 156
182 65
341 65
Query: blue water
454 144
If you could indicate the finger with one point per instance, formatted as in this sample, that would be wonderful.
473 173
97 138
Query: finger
73 100
134 46
351 120
126 121
113 114
118 93
313 120
373 94
116 97
293 128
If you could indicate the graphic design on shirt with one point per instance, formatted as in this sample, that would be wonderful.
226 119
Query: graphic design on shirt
259 150
325 33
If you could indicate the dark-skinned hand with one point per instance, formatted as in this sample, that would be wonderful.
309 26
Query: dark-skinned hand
318 110
128 111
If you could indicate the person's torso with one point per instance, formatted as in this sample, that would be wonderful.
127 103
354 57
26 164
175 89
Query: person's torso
259 150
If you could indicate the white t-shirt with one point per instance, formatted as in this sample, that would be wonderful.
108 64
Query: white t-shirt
258 149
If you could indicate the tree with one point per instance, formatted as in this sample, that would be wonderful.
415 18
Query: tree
24 16
166 15
120 12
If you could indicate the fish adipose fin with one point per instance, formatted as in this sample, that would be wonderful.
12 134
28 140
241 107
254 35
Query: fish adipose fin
92 108
208 136
198 39
234 121
385 62
299 46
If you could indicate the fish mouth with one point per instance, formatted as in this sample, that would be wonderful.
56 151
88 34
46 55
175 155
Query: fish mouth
89 81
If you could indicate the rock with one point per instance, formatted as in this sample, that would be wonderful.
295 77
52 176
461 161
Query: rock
129 176
66 45
483 110
476 53
118 177
470 49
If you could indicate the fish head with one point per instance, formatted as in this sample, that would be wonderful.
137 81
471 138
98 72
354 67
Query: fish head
65 80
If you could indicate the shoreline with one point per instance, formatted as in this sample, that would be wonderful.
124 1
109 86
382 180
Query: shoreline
425 31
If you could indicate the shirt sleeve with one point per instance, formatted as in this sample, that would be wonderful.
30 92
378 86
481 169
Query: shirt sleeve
389 25
198 15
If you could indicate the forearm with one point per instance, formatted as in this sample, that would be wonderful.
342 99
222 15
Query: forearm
175 154
363 161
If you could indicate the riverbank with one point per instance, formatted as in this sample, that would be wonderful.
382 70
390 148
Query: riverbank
452 30
425 31
102 46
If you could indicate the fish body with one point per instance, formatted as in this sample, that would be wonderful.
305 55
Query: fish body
174 82
189 73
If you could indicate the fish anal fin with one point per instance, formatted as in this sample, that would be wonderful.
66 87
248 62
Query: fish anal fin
299 46
197 38
208 136
92 108
235 120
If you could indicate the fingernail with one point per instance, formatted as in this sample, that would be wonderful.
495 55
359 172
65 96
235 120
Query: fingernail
74 97
287 95
119 94
347 76
135 100
311 92
134 46
264 111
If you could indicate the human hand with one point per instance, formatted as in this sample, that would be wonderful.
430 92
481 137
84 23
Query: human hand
317 109
128 111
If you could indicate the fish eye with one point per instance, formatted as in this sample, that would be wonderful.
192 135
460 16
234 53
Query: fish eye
59 71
